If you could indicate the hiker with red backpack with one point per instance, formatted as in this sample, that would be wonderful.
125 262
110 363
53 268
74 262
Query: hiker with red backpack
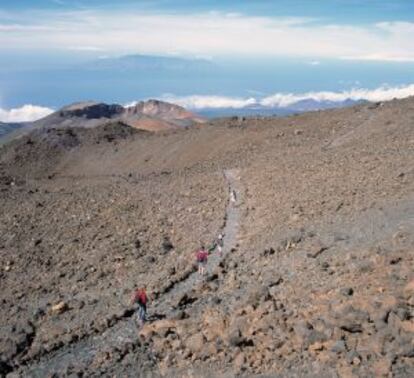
201 257
140 297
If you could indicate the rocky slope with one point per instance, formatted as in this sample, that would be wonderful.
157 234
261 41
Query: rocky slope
316 278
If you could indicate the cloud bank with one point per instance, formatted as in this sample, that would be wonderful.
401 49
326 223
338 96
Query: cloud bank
284 100
205 34
26 113
211 102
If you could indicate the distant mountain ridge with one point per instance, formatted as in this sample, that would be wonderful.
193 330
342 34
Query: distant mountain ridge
301 106
139 62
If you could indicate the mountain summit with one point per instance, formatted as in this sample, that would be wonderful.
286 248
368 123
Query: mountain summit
170 115
151 115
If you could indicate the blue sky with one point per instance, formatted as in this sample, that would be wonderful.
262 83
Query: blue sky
348 11
262 47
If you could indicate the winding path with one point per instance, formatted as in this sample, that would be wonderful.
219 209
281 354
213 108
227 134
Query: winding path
229 231
82 353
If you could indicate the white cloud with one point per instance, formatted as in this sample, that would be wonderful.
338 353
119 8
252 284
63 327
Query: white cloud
210 34
26 113
85 48
381 57
314 63
379 94
19 28
283 100
211 102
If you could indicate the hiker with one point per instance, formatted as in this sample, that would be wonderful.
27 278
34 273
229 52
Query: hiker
220 244
233 197
212 247
201 257
140 297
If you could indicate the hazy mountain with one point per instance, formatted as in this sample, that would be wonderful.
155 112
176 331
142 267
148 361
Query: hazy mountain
311 104
108 79
149 63
302 106
7 128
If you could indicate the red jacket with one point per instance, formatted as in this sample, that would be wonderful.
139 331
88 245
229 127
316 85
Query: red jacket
140 296
201 255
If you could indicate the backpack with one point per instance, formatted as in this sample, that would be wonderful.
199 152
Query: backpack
201 256
141 297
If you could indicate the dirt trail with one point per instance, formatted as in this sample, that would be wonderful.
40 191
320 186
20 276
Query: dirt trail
230 236
124 332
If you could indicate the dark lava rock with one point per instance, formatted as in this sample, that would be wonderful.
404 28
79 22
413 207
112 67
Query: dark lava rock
351 319
339 347
167 246
347 291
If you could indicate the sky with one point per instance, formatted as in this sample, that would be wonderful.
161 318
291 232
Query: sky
259 49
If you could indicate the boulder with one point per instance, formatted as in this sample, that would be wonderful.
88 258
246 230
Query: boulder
408 291
235 338
316 347
257 295
239 362
238 330
338 347
167 246
351 320
159 327
59 308
214 325
195 343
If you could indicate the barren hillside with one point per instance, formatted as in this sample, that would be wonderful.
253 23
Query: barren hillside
316 277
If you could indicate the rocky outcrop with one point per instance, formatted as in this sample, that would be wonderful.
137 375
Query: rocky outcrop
91 111
168 112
